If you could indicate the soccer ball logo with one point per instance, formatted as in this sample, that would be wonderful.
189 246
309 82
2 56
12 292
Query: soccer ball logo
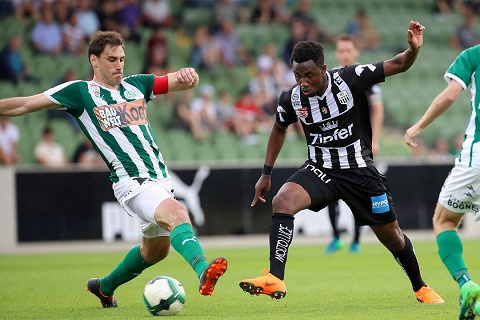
164 296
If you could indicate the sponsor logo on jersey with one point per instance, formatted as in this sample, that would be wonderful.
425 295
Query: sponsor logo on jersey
343 97
295 97
95 90
130 94
330 125
380 204
337 134
122 114
460 205
302 112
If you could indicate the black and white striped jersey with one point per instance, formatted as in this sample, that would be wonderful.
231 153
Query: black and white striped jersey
337 124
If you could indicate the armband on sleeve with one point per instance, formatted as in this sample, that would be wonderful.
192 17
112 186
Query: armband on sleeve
160 84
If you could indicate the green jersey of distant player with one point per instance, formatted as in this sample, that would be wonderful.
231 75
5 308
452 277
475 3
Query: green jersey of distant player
465 70
116 122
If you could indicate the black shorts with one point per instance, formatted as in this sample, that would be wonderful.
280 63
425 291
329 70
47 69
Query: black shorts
364 190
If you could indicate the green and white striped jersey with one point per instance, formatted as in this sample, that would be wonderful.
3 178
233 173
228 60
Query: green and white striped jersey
116 123
464 70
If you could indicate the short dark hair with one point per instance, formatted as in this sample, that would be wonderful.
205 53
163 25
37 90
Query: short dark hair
308 50
101 39
347 37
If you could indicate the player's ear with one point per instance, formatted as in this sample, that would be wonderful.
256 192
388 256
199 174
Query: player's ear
93 59
323 68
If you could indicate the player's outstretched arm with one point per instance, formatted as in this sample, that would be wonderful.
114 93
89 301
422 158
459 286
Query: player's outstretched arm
183 79
439 105
275 144
13 107
403 61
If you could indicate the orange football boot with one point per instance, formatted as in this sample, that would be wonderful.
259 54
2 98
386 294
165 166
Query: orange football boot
428 296
266 284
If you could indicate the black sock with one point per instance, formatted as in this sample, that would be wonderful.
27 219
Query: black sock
281 234
333 213
408 261
356 237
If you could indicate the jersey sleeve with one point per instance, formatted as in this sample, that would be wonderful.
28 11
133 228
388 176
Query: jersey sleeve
363 76
463 67
285 114
68 95
144 83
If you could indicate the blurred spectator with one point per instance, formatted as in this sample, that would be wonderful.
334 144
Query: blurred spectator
263 12
441 152
87 17
123 16
157 61
9 136
223 10
298 33
232 51
203 114
363 31
131 15
26 10
444 7
61 11
11 64
473 5
69 75
74 38
48 153
181 117
313 28
205 53
86 156
263 90
226 111
245 119
157 39
281 13
465 36
157 13
47 35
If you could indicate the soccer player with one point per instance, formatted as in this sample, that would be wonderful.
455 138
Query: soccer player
112 112
460 192
347 53
333 109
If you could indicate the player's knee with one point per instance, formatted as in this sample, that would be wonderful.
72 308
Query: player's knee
283 204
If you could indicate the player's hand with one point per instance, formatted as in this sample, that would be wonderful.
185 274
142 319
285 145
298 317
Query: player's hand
415 37
186 76
261 188
411 134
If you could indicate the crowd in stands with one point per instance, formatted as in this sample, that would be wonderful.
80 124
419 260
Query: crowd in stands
63 27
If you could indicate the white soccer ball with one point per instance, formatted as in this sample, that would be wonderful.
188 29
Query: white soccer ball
164 296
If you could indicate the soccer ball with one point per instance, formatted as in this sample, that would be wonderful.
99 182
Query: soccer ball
164 296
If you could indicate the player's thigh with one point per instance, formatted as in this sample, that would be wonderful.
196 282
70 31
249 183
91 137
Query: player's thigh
367 194
156 249
309 187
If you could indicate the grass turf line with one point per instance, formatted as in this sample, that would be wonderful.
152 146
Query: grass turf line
369 285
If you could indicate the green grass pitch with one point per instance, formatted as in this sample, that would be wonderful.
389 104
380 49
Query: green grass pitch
368 285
